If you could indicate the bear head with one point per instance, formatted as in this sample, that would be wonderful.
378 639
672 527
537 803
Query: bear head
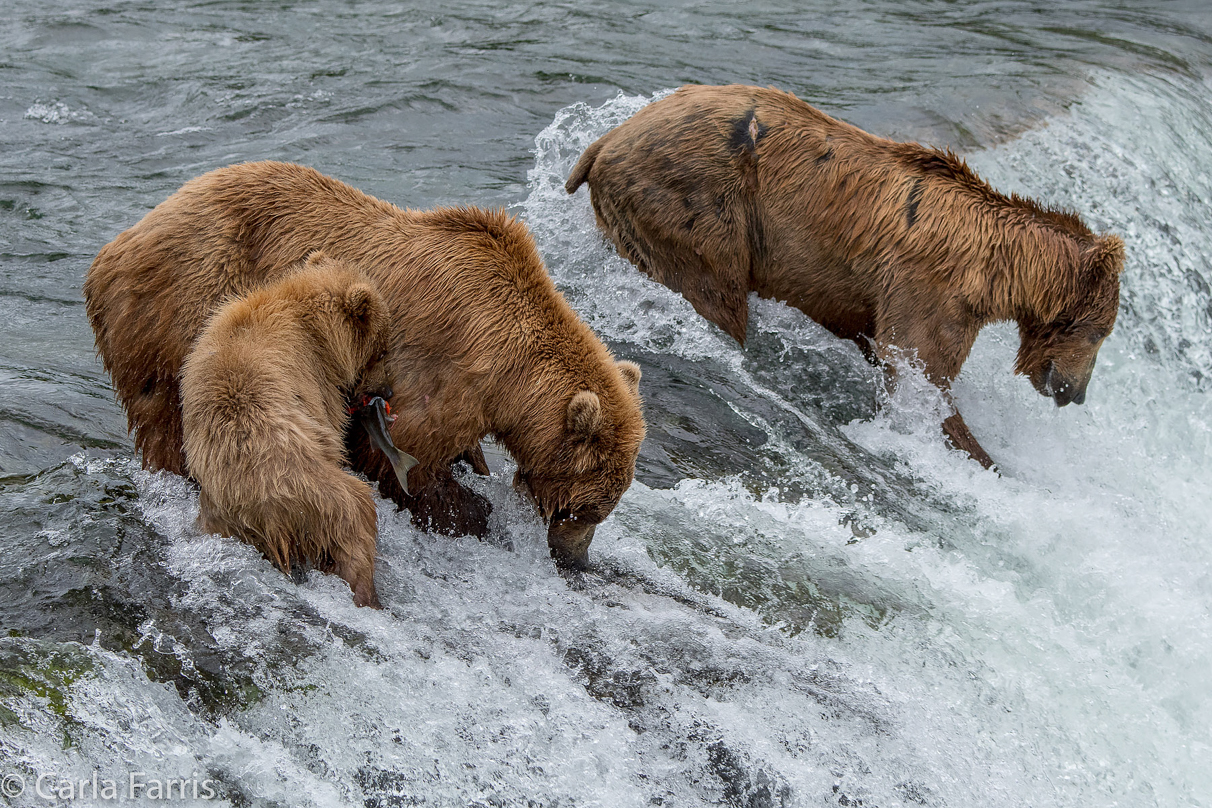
590 462
349 319
1057 350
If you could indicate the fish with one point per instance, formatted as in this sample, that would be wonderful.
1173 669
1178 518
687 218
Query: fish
375 415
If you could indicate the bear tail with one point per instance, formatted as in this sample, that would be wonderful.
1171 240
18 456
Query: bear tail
580 172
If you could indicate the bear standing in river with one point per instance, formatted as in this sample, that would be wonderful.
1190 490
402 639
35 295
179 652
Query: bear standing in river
265 397
482 342
720 191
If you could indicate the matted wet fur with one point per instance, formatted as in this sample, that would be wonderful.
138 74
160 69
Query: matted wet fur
264 397
720 191
482 343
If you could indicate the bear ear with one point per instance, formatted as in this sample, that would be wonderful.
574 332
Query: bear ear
362 306
631 375
584 415
1107 255
314 259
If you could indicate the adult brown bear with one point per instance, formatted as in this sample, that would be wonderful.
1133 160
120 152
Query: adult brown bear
482 342
265 400
719 191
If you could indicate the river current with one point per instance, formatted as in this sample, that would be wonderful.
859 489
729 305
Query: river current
803 600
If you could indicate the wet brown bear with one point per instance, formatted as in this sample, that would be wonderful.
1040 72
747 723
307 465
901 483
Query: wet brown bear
264 397
482 343
719 191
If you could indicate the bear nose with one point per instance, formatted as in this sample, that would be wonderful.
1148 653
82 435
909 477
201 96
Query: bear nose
1080 398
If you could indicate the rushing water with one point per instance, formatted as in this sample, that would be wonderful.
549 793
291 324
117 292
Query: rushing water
801 601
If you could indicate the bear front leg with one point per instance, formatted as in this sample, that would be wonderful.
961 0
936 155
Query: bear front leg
350 540
957 432
440 502
961 438
940 339
358 570
447 506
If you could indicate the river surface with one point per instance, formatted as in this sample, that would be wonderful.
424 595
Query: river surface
802 601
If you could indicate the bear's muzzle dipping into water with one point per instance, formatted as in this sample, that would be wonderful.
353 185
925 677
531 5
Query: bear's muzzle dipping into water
720 191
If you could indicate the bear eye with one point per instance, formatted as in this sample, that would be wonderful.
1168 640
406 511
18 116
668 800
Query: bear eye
1092 333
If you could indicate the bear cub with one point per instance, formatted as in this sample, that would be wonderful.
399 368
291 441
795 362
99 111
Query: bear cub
266 394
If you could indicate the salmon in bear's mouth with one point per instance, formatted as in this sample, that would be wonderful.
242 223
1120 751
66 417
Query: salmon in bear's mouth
375 414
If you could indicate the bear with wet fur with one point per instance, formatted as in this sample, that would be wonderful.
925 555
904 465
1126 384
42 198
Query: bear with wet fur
482 343
265 397
720 191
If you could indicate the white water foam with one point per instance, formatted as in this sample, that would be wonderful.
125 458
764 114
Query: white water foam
57 112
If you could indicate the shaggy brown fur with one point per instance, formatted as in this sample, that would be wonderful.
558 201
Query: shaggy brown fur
264 396
482 342
719 191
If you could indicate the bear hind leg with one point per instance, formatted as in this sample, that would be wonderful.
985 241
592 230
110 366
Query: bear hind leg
709 266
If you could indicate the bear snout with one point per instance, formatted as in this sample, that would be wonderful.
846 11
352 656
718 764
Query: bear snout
569 539
1069 394
1064 390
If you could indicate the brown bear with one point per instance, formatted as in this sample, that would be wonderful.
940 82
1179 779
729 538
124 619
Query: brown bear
720 191
481 342
265 397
